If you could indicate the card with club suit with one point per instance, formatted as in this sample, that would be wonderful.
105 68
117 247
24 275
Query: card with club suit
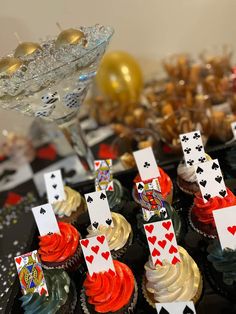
146 163
103 175
54 186
97 254
175 308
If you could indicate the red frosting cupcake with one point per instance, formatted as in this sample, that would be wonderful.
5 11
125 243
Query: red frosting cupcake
61 250
201 214
165 184
110 292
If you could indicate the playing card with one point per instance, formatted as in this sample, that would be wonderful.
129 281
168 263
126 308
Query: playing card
176 308
210 179
193 149
225 219
45 219
99 210
233 127
162 242
97 254
30 273
103 175
54 186
146 164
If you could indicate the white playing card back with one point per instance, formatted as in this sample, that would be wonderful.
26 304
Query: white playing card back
54 186
176 308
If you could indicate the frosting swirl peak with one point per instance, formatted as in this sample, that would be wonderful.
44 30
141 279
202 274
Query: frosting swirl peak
69 205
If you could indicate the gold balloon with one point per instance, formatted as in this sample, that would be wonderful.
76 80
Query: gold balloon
10 65
120 77
26 49
70 36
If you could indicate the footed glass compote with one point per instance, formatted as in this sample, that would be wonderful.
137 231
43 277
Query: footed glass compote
52 83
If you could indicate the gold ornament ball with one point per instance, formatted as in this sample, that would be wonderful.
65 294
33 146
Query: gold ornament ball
10 65
26 48
70 36
120 77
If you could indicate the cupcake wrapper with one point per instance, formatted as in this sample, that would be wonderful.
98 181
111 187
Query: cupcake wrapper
189 192
70 305
121 252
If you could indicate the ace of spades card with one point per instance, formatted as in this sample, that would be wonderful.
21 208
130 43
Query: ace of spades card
97 254
193 148
146 164
99 210
175 308
162 242
30 273
103 175
54 186
210 180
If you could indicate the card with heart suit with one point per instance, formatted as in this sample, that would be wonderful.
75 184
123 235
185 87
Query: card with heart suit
225 219
233 127
30 273
97 254
99 210
176 308
146 163
103 175
45 219
162 242
193 148
210 179
54 186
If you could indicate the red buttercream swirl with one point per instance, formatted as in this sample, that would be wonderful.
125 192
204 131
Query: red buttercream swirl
59 247
203 211
110 292
164 181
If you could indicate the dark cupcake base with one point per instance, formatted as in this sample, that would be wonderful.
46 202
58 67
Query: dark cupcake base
187 187
70 305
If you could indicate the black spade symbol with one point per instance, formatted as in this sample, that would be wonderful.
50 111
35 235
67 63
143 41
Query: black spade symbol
95 224
89 199
218 179
199 170
203 182
207 196
109 221
54 186
52 176
103 196
222 193
42 211
187 310
163 311
140 186
214 166
56 197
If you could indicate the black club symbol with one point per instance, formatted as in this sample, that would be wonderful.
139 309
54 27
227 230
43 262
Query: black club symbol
190 162
187 150
185 138
201 159
196 136
146 164
199 147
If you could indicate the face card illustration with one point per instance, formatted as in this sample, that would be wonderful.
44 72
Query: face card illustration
233 127
210 179
97 254
103 175
99 210
45 219
54 186
30 273
193 149
225 219
146 164
175 308
162 242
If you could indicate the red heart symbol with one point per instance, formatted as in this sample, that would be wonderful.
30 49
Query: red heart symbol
49 152
158 262
162 243
173 249
149 228
43 291
101 239
85 242
232 229
95 249
105 255
175 260
13 199
90 258
155 252
169 236
152 239
166 225
97 163
18 260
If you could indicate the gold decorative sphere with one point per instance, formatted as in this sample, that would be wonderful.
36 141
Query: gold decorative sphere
10 65
70 36
26 48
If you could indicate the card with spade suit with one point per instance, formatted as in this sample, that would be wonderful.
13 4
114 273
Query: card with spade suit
210 179
233 127
54 186
162 242
146 163
193 148
225 219
97 254
103 175
45 219
98 209
176 308
30 273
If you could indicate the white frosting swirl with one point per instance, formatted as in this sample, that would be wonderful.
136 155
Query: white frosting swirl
69 205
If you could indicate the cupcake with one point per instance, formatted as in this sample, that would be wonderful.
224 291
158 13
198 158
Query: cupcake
172 283
201 214
61 299
165 184
116 197
119 237
61 250
110 293
71 208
